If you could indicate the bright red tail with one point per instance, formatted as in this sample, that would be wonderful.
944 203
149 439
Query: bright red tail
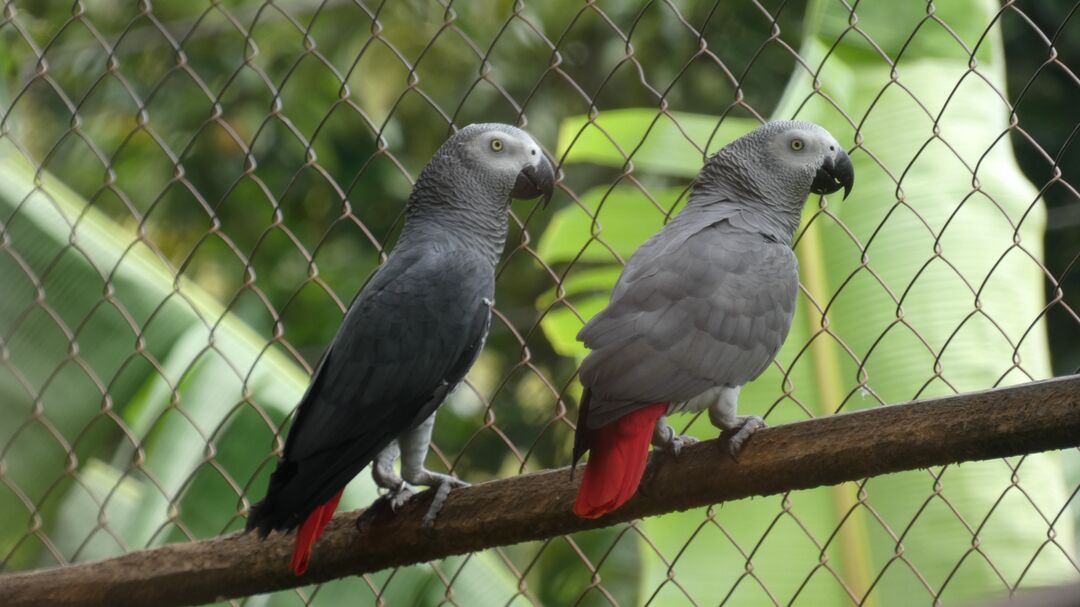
313 527
618 452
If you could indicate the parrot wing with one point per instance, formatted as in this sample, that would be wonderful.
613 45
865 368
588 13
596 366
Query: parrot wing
407 340
690 312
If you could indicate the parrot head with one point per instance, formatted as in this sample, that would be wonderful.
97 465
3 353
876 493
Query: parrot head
504 158
775 167
464 191
767 175
806 154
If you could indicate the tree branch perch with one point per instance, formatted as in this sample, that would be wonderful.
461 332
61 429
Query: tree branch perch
1022 419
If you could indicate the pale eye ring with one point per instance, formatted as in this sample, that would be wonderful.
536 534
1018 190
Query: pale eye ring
496 145
797 144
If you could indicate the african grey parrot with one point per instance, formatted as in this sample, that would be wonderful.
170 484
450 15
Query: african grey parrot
408 338
701 308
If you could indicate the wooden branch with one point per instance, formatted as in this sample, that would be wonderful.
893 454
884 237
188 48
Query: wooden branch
1011 421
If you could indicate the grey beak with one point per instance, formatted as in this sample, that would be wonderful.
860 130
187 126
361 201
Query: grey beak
535 180
835 173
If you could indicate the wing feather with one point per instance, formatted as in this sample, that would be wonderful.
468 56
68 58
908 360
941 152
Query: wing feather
711 310
410 336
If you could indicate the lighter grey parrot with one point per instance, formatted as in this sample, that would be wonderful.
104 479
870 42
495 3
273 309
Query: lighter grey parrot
408 338
701 308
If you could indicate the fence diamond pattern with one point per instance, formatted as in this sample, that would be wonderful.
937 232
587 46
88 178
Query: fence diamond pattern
193 192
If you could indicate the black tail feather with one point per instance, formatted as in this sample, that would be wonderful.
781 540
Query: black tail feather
267 515
581 433
297 488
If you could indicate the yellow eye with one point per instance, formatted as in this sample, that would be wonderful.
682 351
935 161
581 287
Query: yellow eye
497 145
796 144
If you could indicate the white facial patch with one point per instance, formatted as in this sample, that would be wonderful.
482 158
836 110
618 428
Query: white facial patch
504 152
800 146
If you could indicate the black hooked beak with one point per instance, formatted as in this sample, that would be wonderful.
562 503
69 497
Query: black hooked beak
835 173
535 180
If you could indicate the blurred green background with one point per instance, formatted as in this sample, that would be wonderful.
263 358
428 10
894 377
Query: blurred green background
192 192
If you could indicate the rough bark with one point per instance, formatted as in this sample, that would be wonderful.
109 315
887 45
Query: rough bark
1011 421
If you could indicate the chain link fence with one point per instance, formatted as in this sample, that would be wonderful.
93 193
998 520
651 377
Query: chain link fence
192 192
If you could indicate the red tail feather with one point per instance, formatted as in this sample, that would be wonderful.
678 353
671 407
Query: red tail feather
618 452
313 527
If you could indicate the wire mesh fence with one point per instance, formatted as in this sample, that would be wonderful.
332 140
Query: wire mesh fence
193 192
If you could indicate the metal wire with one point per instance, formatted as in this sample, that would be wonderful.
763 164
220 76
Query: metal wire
245 189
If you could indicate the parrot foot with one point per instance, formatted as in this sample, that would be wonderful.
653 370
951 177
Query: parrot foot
441 484
666 440
399 497
675 444
392 500
667 443
745 427
442 491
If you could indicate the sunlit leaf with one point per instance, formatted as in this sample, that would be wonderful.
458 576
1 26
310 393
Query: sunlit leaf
668 143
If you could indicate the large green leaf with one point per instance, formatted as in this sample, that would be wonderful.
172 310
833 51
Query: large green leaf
670 143
945 300
140 345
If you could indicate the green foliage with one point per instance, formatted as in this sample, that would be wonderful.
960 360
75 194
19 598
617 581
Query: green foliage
183 397
186 350
195 298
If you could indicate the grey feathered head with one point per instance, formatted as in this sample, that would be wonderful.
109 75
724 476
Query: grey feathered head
485 165
778 164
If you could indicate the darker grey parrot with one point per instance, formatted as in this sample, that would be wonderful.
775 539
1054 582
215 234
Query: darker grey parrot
408 338
701 308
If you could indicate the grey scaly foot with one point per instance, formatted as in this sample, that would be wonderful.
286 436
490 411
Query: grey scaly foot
666 440
400 496
666 443
746 427
738 428
392 500
442 491
414 448
677 443
382 469
398 492
442 484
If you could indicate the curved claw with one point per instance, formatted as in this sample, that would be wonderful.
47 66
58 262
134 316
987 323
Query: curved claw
441 493
434 479
393 500
400 496
441 484
667 444
675 446
750 424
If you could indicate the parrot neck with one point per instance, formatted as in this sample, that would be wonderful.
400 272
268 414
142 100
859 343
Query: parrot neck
445 215
457 205
759 205
777 227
